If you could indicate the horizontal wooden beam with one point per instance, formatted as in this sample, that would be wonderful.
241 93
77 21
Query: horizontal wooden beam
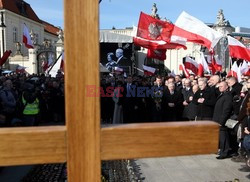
37 145
159 140
32 145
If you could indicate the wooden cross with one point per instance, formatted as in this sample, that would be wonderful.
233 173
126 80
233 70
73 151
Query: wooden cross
82 142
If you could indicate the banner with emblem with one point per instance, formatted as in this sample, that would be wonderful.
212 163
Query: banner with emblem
154 29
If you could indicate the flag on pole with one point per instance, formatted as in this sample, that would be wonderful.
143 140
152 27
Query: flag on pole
158 44
234 70
20 69
26 38
203 66
191 65
154 29
5 56
194 30
47 63
244 68
183 69
149 71
237 49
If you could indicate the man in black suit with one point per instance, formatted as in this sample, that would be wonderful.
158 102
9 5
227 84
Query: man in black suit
123 62
205 100
222 111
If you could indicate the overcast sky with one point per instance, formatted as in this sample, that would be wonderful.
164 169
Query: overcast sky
125 13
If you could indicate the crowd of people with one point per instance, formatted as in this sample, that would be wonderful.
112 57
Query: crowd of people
31 100
173 98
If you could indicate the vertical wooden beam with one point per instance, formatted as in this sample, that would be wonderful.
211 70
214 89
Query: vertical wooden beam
82 70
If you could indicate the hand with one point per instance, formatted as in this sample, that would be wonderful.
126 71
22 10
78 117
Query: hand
201 100
185 103
191 98
246 131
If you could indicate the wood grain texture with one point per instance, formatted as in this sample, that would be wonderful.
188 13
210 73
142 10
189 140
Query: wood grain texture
159 140
32 145
82 70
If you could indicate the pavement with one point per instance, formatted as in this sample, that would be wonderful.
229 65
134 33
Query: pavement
198 168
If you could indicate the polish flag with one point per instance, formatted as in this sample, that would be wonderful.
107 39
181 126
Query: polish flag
20 69
5 56
148 70
194 30
26 38
203 66
183 69
158 44
47 64
248 73
237 49
191 65
244 68
154 29
234 70
217 63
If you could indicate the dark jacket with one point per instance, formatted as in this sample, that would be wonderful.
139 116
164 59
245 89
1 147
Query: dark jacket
223 108
205 109
237 100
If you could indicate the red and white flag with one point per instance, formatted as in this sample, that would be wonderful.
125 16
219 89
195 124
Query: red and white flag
148 70
159 54
183 69
234 70
191 64
244 68
217 63
237 49
154 29
193 30
48 63
20 69
158 44
203 66
5 56
26 38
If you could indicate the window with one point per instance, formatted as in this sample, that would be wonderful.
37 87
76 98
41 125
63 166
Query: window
15 35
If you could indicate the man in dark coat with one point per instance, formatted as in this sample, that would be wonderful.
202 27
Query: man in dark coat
205 100
222 111
187 94
235 89
123 62
213 82
172 104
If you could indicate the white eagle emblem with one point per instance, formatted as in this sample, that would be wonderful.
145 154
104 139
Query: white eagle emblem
154 30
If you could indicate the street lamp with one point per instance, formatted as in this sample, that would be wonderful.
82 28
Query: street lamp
3 26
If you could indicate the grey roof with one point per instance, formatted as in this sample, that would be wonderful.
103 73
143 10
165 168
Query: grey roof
108 37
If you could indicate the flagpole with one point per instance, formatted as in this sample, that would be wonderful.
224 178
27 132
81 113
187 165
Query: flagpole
55 63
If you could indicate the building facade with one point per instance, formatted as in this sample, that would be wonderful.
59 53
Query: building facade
14 14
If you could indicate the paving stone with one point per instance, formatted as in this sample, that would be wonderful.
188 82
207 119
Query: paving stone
199 168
